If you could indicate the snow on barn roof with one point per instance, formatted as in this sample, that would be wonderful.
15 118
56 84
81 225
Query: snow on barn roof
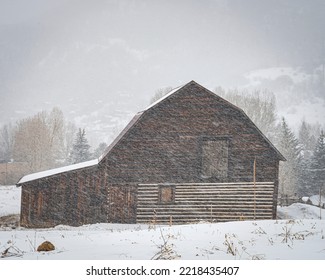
164 97
134 120
51 172
47 173
137 117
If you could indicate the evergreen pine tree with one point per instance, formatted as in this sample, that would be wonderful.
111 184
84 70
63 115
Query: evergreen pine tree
304 135
318 160
306 144
289 170
317 165
100 150
80 149
305 183
306 139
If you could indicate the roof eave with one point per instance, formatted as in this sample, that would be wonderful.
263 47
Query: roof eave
56 171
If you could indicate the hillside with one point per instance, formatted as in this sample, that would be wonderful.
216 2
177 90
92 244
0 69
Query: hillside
299 92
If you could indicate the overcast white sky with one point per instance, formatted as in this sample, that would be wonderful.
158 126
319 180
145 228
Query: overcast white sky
52 51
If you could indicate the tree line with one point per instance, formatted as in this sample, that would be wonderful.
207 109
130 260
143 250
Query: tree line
43 141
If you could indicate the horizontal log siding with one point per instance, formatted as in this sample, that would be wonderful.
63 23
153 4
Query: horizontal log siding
206 202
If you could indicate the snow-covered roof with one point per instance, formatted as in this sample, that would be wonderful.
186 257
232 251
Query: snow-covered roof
51 172
134 121
137 117
164 97
120 136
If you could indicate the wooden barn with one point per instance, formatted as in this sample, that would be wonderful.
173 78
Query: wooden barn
189 157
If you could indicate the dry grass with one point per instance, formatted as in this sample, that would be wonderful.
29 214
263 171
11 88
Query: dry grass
10 221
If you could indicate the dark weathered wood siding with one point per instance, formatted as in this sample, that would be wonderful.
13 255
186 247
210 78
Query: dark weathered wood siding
74 198
164 145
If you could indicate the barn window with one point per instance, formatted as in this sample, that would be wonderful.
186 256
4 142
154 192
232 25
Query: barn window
215 158
166 194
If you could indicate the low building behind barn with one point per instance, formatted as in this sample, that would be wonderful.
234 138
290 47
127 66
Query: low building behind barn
72 195
188 157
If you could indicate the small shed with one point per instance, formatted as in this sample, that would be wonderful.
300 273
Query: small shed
191 156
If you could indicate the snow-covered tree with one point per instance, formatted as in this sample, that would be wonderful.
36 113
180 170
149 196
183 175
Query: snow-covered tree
56 125
32 143
80 149
70 130
306 139
99 150
317 164
160 93
7 137
318 159
39 140
289 170
258 105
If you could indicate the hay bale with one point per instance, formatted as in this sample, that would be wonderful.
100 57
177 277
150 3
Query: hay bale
45 246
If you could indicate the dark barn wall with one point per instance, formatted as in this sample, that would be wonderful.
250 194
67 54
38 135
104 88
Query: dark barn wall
165 146
72 198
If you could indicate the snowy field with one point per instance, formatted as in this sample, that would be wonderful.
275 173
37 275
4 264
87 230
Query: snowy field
9 200
300 236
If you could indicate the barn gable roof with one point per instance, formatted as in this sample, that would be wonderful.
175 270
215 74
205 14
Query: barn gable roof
121 135
138 116
55 171
135 119
132 123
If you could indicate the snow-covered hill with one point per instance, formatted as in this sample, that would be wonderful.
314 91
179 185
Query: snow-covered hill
300 236
300 93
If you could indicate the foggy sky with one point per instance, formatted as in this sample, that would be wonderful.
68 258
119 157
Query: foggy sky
121 51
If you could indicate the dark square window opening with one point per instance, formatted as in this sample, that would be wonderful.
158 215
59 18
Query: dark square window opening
166 194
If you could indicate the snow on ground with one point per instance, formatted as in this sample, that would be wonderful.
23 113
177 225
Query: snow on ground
300 236
282 239
300 211
9 200
317 200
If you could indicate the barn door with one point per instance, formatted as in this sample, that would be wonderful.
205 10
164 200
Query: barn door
215 158
122 204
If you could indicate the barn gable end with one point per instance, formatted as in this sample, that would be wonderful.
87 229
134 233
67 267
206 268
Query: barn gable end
190 136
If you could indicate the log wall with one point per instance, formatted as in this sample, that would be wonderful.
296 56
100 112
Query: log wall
206 202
